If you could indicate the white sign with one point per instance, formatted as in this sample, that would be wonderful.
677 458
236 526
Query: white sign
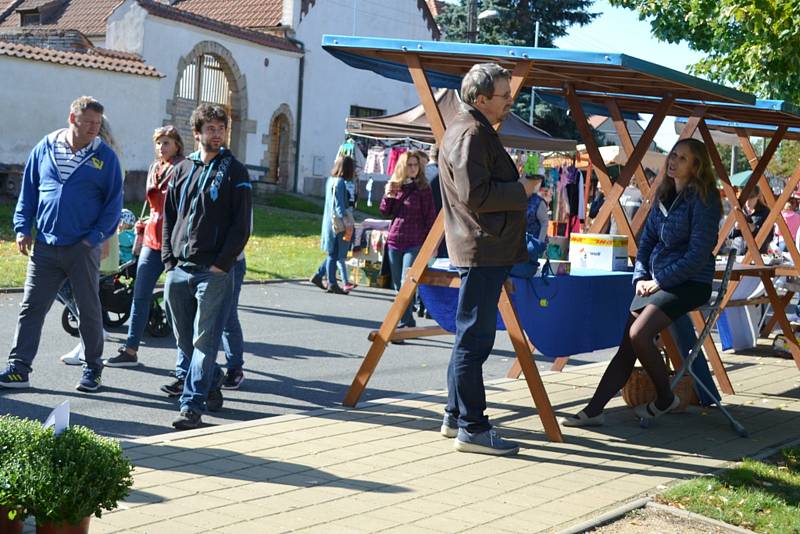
58 418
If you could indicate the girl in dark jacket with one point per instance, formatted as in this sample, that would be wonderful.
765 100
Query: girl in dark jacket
673 273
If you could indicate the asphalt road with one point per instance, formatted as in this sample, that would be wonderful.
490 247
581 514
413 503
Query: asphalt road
302 349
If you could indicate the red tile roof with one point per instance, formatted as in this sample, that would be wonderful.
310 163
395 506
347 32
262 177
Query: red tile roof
171 13
94 59
87 16
229 17
244 13
33 4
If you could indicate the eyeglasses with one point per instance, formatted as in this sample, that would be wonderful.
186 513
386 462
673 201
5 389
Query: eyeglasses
504 96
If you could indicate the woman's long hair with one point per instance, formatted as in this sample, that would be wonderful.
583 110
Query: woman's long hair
108 137
344 167
401 169
703 181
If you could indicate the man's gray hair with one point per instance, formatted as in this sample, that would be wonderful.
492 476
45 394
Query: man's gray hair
480 81
82 103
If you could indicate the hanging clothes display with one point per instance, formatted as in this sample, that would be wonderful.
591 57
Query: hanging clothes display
394 155
376 160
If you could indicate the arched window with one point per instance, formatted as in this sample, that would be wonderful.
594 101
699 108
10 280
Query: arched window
204 81
279 150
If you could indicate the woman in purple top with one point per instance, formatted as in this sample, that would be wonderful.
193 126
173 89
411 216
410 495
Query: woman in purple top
409 202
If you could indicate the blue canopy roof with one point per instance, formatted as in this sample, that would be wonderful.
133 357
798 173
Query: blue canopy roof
445 63
772 113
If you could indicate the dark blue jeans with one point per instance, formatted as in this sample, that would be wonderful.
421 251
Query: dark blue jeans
338 254
476 325
232 338
148 269
400 262
198 301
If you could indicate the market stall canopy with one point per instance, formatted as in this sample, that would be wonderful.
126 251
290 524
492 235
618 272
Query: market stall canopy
762 116
612 155
446 63
727 132
412 123
740 178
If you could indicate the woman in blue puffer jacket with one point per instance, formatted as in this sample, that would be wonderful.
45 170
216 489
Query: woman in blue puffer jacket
673 273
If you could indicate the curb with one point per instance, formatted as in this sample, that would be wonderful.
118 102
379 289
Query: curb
686 514
607 517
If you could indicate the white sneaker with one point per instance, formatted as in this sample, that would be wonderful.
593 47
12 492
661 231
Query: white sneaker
74 357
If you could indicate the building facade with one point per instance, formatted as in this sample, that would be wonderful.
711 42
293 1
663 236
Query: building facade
262 59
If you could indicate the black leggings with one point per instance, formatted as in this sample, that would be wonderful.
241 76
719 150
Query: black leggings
637 343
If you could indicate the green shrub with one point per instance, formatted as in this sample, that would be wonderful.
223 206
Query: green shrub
64 478
19 439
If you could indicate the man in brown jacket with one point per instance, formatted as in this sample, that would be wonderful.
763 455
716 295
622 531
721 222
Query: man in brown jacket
484 202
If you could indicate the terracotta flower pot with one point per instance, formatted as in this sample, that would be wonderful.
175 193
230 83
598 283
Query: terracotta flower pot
64 528
10 526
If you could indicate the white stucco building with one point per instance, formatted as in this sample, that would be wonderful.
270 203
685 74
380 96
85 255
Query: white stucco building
260 58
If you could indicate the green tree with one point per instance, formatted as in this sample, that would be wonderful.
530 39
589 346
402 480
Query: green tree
752 44
786 159
515 25
725 155
516 21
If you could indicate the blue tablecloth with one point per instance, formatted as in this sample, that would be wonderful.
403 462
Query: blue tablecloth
562 315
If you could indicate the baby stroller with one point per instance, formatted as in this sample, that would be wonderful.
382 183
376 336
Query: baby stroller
116 299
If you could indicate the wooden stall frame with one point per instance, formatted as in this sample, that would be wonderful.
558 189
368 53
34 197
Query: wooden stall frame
635 154
418 273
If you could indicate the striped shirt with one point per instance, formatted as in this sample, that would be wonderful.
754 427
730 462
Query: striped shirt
66 160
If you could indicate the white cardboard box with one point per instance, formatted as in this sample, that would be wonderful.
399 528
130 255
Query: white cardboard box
605 252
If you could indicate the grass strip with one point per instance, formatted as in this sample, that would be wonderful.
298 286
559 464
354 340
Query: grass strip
763 496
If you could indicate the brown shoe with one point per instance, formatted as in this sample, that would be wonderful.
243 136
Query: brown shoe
317 281
335 289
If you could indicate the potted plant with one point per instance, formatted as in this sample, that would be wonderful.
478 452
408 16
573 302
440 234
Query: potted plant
73 476
18 438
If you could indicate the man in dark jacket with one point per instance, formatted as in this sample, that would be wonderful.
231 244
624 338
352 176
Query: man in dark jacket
484 202
206 226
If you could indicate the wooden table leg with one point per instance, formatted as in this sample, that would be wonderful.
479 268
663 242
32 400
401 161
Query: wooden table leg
712 355
515 370
780 313
674 353
770 325
529 369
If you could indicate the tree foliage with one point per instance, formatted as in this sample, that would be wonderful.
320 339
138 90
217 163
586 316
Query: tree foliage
515 25
516 21
752 44
786 159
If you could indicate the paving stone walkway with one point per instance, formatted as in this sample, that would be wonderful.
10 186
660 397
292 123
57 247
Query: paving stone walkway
384 467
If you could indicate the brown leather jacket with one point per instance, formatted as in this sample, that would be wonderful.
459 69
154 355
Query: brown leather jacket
484 205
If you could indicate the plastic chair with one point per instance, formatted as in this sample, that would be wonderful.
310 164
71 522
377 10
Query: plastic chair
714 311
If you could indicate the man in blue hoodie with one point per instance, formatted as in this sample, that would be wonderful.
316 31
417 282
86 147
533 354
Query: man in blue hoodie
72 195
206 226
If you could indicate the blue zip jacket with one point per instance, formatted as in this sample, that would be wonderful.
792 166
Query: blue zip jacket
677 242
85 206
